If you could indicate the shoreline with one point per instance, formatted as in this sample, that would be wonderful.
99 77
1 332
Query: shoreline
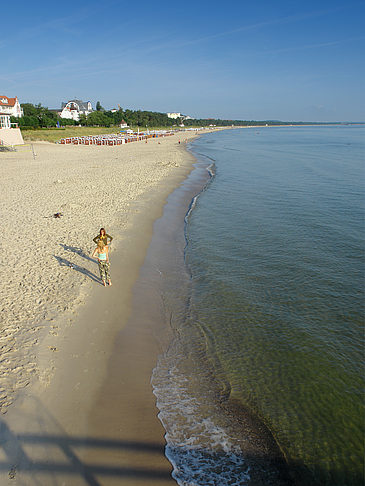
56 394
89 415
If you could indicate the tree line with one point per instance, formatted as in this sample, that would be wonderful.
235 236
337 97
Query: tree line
135 118
38 116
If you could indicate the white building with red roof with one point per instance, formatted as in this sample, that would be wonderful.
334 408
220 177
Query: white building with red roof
10 106
10 134
74 108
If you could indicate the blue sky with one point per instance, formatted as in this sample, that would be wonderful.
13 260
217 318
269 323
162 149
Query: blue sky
283 60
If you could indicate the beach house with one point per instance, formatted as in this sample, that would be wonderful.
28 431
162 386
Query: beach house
74 108
10 134
10 106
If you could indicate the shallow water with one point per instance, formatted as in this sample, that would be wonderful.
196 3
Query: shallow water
270 310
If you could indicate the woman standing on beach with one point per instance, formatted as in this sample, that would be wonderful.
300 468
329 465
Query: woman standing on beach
103 236
101 252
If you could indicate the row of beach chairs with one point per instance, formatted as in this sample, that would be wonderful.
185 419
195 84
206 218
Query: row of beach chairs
112 139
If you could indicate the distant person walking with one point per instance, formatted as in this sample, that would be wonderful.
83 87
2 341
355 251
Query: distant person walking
102 236
101 252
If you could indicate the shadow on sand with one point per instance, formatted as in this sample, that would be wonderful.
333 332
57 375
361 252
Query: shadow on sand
66 263
18 461
77 251
17 451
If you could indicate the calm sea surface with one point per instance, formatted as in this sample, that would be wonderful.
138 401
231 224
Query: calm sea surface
271 311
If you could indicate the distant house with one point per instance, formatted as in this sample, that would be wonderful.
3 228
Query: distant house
74 108
123 124
114 110
174 115
179 115
10 106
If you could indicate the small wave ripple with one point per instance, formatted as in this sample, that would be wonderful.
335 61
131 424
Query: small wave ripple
201 451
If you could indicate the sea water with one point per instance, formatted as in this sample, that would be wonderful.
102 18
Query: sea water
269 311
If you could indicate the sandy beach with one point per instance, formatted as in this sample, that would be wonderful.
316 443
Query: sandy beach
62 333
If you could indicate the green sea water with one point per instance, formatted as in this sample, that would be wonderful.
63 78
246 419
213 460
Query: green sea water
275 306
276 252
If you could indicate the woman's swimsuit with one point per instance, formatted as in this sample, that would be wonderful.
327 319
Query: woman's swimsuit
103 238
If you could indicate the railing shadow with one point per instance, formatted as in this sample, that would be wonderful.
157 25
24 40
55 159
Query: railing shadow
66 263
264 469
17 461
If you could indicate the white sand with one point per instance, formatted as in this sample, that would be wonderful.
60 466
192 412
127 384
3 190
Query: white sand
47 270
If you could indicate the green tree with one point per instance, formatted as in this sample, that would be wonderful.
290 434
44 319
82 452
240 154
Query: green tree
37 116
66 121
99 107
29 109
28 121
83 119
98 118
